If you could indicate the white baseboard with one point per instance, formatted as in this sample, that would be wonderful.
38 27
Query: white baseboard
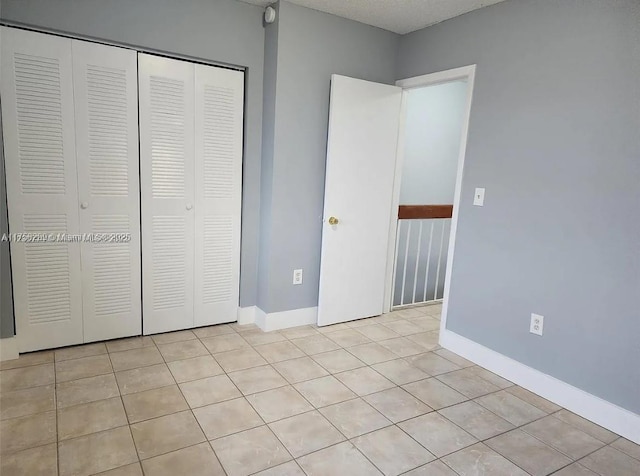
595 409
285 319
246 315
8 348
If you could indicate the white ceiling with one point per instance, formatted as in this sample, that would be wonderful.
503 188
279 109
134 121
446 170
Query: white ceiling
400 16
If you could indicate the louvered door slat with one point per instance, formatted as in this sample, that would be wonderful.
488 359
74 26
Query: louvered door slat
38 126
106 104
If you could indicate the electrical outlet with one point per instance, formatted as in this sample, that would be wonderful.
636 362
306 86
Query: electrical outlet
297 276
537 324
478 198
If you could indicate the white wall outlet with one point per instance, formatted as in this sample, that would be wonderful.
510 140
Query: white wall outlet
297 276
537 324
478 198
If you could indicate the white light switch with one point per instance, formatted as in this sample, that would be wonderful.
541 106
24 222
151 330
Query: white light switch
478 198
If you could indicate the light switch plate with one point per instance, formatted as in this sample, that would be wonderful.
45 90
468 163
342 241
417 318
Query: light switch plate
478 198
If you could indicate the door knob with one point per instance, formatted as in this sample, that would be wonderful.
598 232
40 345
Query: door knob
189 206
333 221
84 205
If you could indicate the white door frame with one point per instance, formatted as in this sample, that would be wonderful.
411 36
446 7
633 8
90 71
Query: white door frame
467 73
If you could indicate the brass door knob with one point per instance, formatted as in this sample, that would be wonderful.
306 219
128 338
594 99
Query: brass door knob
333 221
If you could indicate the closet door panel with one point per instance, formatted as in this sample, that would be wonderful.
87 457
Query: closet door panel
166 90
38 129
106 106
218 193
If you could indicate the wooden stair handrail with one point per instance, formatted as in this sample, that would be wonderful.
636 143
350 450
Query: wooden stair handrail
419 212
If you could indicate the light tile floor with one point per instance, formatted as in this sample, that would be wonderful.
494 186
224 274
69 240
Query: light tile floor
375 396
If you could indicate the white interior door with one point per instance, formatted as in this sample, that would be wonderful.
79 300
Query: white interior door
106 106
364 118
166 94
218 193
40 156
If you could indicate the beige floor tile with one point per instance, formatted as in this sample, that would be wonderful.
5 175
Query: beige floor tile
377 332
299 332
303 434
78 351
575 469
411 312
364 381
367 321
480 460
455 358
372 353
533 399
279 351
434 393
425 323
435 468
324 391
437 434
287 469
429 340
144 378
86 390
136 358
129 343
476 420
627 447
250 451
400 372
182 350
392 451
402 346
39 461
529 453
240 359
403 327
209 390
315 344
257 379
198 460
169 337
348 337
26 377
97 452
279 403
154 403
592 429
432 363
83 367
165 434
299 370
211 331
468 383
225 418
491 377
343 459
27 360
354 417
337 361
609 461
195 368
333 328
27 402
18 434
510 407
133 469
80 420
260 337
397 405
563 437
224 343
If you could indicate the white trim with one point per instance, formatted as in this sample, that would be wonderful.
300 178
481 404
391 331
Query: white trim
595 409
285 319
246 315
8 348
468 73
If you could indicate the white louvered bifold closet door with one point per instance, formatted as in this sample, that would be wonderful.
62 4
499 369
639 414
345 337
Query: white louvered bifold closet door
218 197
38 122
166 95
106 104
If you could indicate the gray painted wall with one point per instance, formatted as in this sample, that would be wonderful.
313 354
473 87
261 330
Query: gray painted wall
554 139
311 46
218 30
7 325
